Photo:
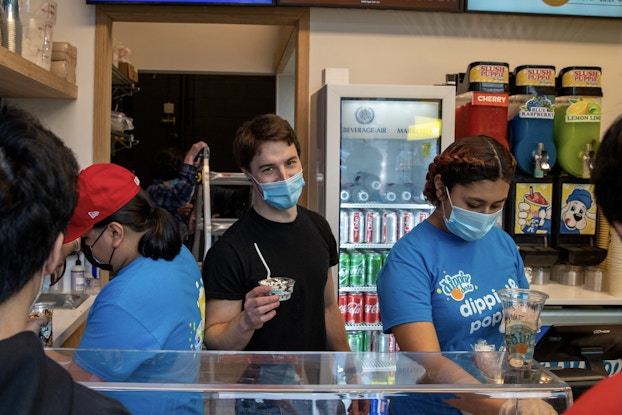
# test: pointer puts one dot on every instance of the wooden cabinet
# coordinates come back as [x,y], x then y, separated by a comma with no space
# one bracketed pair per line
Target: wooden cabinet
[20,78]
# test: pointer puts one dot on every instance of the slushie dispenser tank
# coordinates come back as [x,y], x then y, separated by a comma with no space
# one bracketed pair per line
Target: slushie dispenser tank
[482,100]
[531,115]
[577,118]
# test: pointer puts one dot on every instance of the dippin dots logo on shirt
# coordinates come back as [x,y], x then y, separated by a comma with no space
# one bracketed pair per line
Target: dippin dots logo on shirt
[456,286]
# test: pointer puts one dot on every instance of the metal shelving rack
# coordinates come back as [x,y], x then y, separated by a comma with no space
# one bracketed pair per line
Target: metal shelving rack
[206,225]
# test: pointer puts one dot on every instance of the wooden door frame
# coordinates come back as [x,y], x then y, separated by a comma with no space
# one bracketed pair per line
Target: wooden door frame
[294,38]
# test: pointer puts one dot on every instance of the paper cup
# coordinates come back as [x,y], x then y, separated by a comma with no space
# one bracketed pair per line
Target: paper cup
[44,309]
[281,286]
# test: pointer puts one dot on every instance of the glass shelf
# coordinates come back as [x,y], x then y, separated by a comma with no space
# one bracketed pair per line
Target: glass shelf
[215,379]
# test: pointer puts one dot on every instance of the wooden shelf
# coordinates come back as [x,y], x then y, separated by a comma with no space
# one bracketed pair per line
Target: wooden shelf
[20,78]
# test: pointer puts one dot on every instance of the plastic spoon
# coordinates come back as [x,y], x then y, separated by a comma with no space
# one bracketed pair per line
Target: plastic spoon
[262,260]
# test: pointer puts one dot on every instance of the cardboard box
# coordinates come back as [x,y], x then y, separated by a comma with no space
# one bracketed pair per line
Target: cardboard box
[65,70]
[64,48]
[128,70]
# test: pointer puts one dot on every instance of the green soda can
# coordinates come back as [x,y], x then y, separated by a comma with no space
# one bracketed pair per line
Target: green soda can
[355,339]
[374,263]
[344,269]
[357,269]
[365,341]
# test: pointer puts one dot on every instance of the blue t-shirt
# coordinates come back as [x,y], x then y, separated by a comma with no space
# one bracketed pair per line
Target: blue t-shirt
[150,305]
[434,276]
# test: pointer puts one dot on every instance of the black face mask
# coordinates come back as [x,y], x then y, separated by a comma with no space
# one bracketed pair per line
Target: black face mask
[88,254]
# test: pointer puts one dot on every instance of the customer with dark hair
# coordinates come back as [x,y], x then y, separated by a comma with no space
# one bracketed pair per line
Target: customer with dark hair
[155,300]
[174,180]
[38,176]
[605,398]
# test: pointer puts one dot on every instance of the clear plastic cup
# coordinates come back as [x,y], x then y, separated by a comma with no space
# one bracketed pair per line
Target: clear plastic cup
[44,309]
[521,311]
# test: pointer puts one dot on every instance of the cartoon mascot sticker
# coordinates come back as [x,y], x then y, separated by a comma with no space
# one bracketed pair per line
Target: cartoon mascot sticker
[576,214]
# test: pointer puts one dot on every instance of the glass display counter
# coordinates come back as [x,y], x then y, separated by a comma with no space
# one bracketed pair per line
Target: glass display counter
[210,382]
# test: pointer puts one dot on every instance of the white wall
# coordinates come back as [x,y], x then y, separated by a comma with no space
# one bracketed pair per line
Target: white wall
[378,47]
[72,120]
[396,47]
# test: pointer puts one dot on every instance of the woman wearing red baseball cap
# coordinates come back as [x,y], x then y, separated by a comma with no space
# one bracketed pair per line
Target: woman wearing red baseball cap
[155,300]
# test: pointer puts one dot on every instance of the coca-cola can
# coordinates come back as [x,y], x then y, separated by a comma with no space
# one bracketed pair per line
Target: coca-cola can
[343,305]
[344,230]
[371,309]
[389,226]
[354,309]
[355,226]
[407,221]
[373,227]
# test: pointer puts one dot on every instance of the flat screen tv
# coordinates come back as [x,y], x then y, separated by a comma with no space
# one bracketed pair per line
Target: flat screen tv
[187,2]
[429,5]
[585,8]
[591,343]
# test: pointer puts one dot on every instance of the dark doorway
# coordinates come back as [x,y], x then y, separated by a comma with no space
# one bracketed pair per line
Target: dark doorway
[204,107]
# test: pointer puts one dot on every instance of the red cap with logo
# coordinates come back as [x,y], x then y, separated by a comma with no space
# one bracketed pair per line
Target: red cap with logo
[103,189]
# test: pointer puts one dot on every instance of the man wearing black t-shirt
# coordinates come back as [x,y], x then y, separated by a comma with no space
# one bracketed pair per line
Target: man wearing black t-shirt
[292,241]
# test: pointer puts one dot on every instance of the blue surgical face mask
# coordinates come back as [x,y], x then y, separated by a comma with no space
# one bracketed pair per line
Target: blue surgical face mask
[283,195]
[469,225]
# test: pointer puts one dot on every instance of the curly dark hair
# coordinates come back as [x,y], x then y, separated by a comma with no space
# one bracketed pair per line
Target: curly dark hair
[468,160]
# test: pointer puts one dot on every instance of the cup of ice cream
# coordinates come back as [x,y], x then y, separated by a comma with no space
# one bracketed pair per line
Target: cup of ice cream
[281,286]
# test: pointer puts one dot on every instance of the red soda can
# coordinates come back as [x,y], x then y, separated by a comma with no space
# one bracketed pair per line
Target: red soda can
[354,309]
[407,221]
[355,227]
[389,226]
[373,227]
[343,304]
[371,312]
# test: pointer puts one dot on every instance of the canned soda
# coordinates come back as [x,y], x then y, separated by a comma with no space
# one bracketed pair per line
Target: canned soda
[389,226]
[374,264]
[379,406]
[373,227]
[354,309]
[407,221]
[371,309]
[355,226]
[355,340]
[344,233]
[343,305]
[357,269]
[393,344]
[365,341]
[344,269]
[381,344]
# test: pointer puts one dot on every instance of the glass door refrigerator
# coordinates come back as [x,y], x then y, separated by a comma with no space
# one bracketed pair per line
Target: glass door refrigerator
[374,145]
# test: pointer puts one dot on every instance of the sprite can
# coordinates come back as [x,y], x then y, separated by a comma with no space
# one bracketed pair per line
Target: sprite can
[357,269]
[374,263]
[344,269]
